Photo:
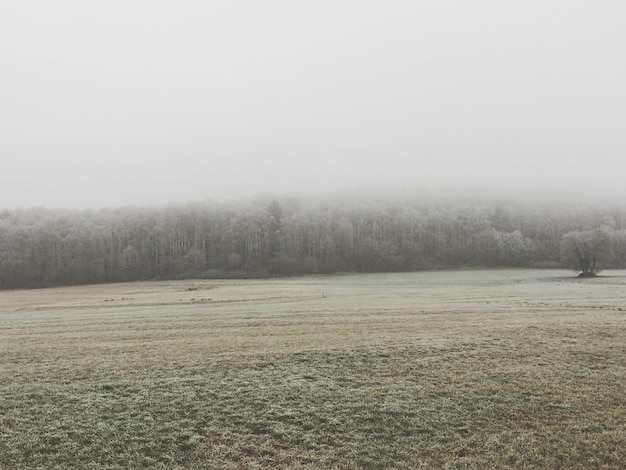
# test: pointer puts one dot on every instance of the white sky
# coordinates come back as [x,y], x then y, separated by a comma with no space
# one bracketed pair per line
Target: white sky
[145,102]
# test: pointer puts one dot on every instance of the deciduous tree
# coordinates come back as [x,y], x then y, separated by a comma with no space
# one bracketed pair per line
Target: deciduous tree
[583,250]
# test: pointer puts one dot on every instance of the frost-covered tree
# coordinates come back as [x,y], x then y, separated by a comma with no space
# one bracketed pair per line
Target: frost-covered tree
[583,250]
[130,263]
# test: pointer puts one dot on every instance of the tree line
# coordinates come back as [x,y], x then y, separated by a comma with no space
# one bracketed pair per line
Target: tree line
[292,236]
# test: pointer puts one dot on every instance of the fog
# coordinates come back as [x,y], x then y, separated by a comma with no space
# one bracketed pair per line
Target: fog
[148,102]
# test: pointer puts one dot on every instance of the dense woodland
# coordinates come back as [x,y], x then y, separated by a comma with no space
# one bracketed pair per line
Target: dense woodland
[290,236]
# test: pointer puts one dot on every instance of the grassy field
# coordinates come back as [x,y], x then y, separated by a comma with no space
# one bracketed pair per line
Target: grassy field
[458,369]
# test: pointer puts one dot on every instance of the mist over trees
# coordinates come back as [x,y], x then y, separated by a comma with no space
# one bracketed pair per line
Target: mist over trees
[290,236]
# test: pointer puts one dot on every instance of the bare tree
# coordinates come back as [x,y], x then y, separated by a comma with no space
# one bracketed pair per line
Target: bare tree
[583,250]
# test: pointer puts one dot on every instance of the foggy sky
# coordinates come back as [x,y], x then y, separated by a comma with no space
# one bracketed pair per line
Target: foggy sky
[145,102]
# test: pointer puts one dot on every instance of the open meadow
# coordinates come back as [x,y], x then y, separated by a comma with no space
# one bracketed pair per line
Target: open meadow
[454,369]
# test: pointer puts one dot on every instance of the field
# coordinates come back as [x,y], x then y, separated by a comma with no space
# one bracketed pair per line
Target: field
[457,369]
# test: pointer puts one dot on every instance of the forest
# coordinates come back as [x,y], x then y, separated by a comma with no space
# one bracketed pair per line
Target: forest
[283,236]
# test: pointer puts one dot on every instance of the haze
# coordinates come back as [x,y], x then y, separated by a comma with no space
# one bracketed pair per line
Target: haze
[146,102]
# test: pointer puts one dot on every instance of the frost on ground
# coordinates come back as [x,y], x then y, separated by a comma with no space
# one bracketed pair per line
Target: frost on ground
[456,369]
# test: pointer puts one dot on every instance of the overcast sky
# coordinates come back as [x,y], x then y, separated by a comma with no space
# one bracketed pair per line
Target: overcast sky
[146,102]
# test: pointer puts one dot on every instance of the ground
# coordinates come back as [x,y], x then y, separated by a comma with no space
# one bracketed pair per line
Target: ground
[455,369]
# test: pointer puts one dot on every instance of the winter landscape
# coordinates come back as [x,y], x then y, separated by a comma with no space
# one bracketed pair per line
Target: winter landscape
[324,235]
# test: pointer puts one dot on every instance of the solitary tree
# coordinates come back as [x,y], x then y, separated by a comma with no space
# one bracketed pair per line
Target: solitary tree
[583,250]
